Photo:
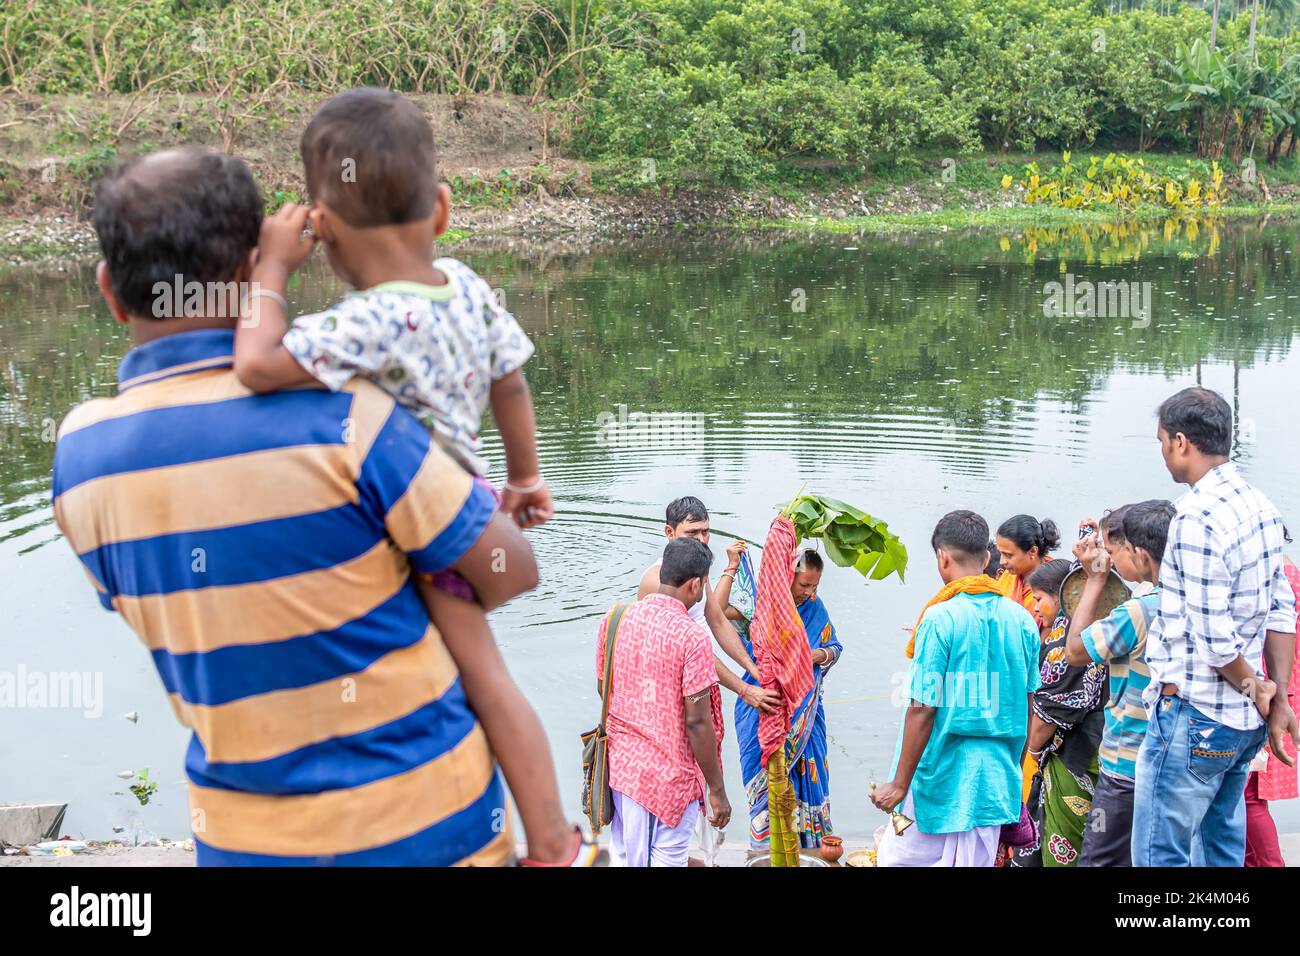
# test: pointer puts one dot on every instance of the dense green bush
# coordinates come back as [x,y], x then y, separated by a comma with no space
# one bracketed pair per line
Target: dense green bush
[712,91]
[869,81]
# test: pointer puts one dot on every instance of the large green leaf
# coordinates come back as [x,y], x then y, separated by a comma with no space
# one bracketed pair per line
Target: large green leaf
[843,558]
[845,508]
[850,536]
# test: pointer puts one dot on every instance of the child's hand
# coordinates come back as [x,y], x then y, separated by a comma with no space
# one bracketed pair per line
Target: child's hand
[281,243]
[529,507]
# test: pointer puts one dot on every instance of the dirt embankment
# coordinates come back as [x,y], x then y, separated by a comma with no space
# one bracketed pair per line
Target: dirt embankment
[514,179]
[51,147]
[512,176]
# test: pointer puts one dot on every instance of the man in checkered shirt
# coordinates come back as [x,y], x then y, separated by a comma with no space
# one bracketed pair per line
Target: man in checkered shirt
[1226,613]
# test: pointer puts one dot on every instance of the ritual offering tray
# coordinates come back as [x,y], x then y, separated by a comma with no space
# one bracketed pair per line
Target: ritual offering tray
[1114,594]
[804,860]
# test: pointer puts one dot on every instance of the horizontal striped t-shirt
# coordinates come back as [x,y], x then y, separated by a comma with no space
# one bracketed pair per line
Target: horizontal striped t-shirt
[1119,640]
[262,549]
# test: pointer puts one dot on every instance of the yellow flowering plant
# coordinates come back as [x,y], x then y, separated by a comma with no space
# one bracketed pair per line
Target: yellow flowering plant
[1119,181]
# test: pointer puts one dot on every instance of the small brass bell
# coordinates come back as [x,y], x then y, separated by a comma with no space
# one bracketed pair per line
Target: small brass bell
[900,821]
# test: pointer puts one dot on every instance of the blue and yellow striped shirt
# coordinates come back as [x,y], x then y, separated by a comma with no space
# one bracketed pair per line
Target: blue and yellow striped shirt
[262,547]
[1119,640]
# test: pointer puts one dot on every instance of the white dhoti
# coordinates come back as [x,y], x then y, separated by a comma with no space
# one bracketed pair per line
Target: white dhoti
[639,838]
[977,847]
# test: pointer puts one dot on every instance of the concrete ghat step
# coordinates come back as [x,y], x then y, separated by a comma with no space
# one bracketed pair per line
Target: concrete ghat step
[22,824]
[112,854]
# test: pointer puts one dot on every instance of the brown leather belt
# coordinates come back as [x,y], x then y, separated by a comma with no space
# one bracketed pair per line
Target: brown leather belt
[1169,690]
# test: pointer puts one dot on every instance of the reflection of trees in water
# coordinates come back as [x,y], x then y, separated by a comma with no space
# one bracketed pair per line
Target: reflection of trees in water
[58,347]
[952,323]
[948,325]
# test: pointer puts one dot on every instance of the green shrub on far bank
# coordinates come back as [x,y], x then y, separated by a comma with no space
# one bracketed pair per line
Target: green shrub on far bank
[669,94]
[875,83]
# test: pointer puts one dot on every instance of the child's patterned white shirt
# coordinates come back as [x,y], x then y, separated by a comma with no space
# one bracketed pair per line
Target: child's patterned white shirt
[435,349]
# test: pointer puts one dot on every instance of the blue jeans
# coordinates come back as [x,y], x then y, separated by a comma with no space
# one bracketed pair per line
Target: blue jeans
[1189,803]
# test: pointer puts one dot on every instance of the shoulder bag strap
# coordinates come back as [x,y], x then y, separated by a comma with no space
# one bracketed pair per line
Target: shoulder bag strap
[611,632]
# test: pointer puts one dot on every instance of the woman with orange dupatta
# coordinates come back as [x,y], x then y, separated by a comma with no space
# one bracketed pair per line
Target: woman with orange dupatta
[806,743]
[1023,545]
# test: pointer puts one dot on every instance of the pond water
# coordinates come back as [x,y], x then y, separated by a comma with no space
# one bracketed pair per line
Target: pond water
[908,374]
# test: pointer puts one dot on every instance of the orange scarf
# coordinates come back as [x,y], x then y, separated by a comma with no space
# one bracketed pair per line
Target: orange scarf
[971,584]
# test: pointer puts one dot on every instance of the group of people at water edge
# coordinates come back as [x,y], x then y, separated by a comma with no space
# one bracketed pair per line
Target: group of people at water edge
[292,514]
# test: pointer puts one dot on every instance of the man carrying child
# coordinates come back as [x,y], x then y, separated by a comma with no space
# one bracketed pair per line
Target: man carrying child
[264,549]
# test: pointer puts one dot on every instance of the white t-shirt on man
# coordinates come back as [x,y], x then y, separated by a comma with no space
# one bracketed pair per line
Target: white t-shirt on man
[696,610]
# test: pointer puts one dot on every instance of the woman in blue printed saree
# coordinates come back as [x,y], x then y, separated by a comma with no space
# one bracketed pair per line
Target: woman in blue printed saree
[805,746]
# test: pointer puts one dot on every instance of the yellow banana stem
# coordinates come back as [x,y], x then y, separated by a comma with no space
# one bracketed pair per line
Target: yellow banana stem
[783,843]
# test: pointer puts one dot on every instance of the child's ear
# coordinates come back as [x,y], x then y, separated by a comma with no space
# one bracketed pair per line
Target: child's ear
[441,209]
[321,221]
[105,283]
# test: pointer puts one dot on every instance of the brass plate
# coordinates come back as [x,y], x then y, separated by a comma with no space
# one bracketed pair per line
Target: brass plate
[1114,594]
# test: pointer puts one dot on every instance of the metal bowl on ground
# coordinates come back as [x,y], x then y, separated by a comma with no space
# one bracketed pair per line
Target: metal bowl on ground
[804,860]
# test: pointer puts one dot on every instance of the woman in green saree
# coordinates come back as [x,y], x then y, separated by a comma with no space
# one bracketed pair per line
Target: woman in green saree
[1064,735]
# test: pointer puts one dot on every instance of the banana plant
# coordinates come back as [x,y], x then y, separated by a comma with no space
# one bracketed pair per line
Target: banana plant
[1226,93]
[852,538]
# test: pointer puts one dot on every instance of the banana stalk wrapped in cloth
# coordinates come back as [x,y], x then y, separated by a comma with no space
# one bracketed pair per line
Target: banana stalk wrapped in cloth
[783,842]
[784,665]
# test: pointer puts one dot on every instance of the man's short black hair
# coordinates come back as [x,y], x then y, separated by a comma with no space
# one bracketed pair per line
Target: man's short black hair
[1146,526]
[1202,415]
[1112,524]
[994,564]
[962,531]
[190,213]
[685,509]
[809,560]
[368,153]
[684,558]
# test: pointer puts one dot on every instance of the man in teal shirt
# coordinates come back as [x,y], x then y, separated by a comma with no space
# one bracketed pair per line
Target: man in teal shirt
[957,768]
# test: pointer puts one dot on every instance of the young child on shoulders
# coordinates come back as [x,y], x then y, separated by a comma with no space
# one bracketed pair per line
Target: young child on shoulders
[432,334]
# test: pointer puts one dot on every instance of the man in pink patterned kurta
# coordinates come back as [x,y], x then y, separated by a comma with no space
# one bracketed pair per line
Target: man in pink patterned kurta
[665,717]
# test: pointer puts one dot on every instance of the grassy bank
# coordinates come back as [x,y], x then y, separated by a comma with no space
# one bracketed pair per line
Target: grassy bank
[511,177]
[968,192]
[1008,217]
